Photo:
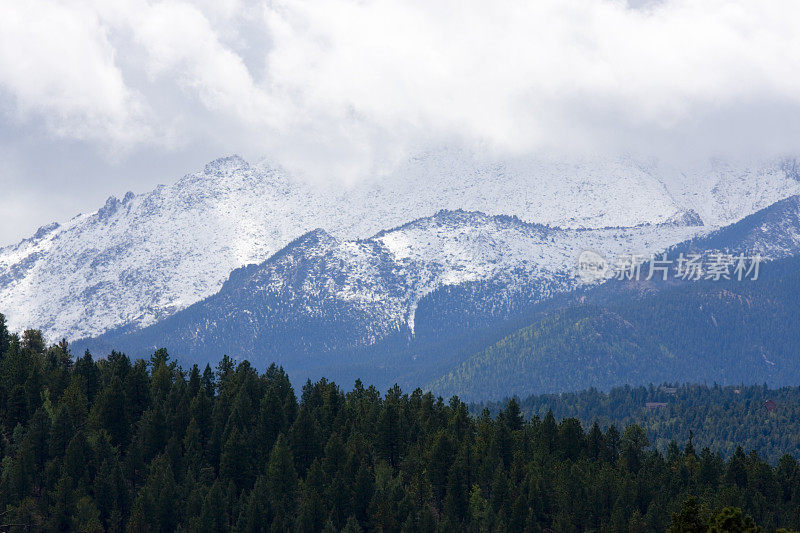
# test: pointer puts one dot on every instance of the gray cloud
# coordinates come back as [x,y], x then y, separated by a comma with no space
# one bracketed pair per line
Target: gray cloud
[100,97]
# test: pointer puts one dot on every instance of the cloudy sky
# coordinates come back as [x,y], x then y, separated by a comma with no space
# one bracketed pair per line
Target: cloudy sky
[99,97]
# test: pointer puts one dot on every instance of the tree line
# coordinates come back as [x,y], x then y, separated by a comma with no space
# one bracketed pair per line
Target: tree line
[145,445]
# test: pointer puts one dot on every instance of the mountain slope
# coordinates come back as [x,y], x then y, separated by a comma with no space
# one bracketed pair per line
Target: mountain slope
[773,232]
[639,332]
[717,333]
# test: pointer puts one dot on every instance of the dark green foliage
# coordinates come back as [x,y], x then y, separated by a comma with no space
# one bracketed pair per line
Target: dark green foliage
[720,418]
[4,338]
[145,446]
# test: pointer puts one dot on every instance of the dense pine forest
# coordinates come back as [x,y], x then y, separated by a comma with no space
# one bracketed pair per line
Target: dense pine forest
[722,418]
[115,444]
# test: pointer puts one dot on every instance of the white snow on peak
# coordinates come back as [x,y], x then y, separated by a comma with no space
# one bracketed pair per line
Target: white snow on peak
[137,260]
[452,248]
[723,192]
[384,278]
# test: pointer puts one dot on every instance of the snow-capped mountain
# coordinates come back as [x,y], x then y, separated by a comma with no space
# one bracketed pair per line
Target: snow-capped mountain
[140,259]
[771,233]
[321,294]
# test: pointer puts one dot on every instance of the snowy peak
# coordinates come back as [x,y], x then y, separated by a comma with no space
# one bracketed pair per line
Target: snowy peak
[773,233]
[226,165]
[138,260]
[397,268]
[686,218]
[44,231]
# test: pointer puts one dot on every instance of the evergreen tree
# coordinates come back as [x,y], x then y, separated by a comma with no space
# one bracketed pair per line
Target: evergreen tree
[690,518]
[5,340]
[281,480]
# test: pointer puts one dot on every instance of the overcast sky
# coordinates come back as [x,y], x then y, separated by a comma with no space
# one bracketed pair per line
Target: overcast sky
[100,97]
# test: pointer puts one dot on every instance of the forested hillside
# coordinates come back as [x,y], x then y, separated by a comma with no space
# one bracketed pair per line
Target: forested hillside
[146,446]
[722,418]
[726,331]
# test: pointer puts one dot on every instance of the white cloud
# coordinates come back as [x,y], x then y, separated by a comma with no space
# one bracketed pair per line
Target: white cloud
[527,74]
[58,66]
[343,87]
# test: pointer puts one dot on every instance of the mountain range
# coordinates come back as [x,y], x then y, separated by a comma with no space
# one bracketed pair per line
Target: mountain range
[402,278]
[320,295]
